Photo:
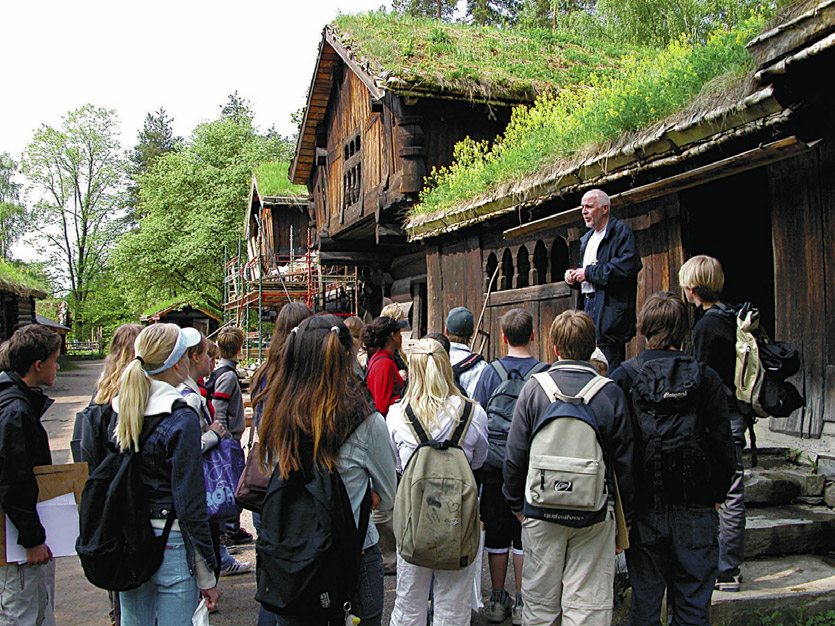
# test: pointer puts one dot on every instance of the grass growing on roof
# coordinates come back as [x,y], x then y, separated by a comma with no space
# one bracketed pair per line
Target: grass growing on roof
[274,180]
[17,273]
[649,88]
[426,55]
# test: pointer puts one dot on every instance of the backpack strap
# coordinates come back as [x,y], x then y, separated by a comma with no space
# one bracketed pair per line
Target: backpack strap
[536,369]
[500,370]
[463,425]
[585,394]
[468,362]
[417,428]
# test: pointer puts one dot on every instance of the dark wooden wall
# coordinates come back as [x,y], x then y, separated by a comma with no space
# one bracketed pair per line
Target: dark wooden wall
[15,311]
[531,271]
[283,219]
[794,199]
[802,193]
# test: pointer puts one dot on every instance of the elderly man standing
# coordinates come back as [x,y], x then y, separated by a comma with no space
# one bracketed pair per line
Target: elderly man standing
[608,276]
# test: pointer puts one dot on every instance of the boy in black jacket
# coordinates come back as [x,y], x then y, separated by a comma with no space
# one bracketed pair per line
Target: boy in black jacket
[29,361]
[684,461]
[714,343]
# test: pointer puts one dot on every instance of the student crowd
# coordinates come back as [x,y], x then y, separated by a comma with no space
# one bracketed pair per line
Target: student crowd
[549,458]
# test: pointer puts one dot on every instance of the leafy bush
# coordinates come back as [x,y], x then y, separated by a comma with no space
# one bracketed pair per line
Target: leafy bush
[649,86]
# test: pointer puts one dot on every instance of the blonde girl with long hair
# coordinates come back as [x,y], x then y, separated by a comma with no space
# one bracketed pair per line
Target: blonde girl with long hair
[438,405]
[171,467]
[94,425]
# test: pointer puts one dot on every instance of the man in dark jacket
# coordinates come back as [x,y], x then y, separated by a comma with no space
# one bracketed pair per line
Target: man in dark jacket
[569,571]
[684,461]
[608,276]
[29,361]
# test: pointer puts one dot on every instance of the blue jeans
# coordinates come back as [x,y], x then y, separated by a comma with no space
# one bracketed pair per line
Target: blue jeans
[674,548]
[170,597]
[367,605]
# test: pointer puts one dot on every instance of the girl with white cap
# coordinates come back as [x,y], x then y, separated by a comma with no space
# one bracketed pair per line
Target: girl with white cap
[171,468]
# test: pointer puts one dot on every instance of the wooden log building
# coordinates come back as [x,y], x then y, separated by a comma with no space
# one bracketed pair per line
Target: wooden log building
[751,182]
[370,135]
[17,305]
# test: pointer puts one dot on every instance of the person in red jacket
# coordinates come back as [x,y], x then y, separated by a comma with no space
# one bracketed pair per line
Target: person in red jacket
[382,339]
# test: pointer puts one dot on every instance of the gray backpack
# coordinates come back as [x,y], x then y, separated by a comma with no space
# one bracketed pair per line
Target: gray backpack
[436,522]
[566,482]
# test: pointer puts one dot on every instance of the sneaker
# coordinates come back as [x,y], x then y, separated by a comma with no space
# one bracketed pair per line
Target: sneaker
[239,537]
[728,583]
[236,567]
[516,617]
[231,548]
[497,611]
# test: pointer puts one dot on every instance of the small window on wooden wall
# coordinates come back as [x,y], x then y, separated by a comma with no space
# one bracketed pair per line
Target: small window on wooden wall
[523,268]
[506,273]
[540,263]
[489,270]
[352,170]
[559,260]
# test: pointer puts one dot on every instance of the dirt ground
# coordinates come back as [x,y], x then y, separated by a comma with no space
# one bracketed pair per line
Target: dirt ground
[77,602]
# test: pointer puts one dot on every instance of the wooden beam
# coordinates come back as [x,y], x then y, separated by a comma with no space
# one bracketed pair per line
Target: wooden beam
[366,78]
[349,258]
[751,159]
[527,294]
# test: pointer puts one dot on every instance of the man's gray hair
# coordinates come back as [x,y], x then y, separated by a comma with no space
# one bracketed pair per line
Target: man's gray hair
[601,196]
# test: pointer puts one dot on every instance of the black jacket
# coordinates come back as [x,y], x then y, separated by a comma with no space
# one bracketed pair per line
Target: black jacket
[712,412]
[23,444]
[615,278]
[610,408]
[714,344]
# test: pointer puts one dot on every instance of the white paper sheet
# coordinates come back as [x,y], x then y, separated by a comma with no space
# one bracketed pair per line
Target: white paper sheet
[59,517]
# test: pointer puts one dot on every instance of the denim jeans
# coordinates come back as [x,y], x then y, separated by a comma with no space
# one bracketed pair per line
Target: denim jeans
[674,548]
[367,605]
[170,597]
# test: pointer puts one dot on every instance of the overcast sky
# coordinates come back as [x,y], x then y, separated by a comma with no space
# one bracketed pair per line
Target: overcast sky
[135,57]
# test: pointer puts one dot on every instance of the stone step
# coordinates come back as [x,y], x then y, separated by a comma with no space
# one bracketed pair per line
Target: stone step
[763,488]
[790,529]
[797,586]
[767,458]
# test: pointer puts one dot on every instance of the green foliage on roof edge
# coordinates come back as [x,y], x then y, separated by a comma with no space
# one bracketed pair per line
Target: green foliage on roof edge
[648,86]
[18,273]
[273,180]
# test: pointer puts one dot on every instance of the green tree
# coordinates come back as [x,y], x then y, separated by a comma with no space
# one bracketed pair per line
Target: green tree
[193,202]
[438,9]
[493,12]
[12,213]
[238,109]
[79,171]
[155,139]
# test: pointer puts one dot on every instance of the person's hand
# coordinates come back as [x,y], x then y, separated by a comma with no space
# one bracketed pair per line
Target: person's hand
[212,596]
[569,276]
[718,505]
[580,275]
[618,550]
[38,555]
[219,429]
[403,374]
[375,500]
[520,517]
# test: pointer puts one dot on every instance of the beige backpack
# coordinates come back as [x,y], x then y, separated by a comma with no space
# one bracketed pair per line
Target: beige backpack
[436,521]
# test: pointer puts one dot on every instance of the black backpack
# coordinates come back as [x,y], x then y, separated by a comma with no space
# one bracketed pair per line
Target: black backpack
[210,382]
[500,407]
[309,547]
[464,365]
[116,544]
[671,463]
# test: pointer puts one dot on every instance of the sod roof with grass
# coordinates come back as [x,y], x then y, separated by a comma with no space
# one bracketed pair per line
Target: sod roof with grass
[662,109]
[19,282]
[272,180]
[177,304]
[421,56]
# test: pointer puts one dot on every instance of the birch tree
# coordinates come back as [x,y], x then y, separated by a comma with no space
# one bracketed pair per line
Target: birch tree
[78,173]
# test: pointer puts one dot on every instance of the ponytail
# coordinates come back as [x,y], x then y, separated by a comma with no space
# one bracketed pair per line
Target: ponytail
[133,396]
